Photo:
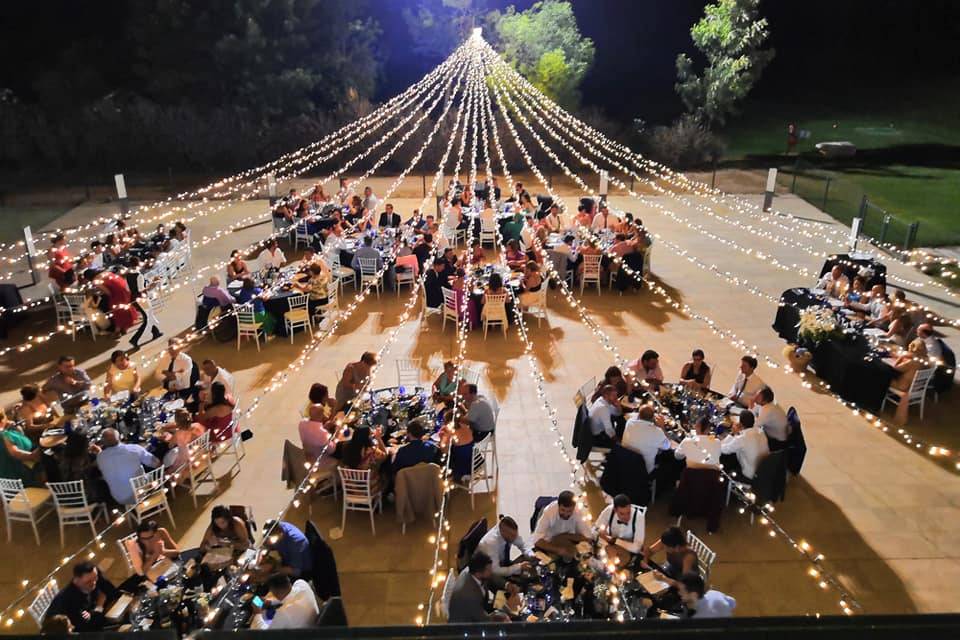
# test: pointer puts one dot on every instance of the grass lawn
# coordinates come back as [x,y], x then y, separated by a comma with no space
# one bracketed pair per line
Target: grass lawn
[13,219]
[907,163]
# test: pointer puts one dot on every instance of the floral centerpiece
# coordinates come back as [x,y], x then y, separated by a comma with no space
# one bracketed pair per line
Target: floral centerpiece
[818,324]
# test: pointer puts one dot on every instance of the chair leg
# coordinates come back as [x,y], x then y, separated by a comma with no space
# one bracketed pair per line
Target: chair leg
[36,534]
[343,520]
[62,541]
[238,341]
[373,527]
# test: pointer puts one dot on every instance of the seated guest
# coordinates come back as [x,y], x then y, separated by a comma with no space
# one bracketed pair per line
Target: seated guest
[416,450]
[211,372]
[76,462]
[458,441]
[85,599]
[318,428]
[647,368]
[365,451]
[561,526]
[33,412]
[237,269]
[551,222]
[477,254]
[215,295]
[907,366]
[696,373]
[604,219]
[858,290]
[700,450]
[516,259]
[57,625]
[292,547]
[530,285]
[749,445]
[700,603]
[566,248]
[771,419]
[119,463]
[18,455]
[316,285]
[152,544]
[445,386]
[480,413]
[934,345]
[622,526]
[389,218]
[179,374]
[602,413]
[295,605]
[747,384]
[250,292]
[899,327]
[434,283]
[320,406]
[487,215]
[834,283]
[645,436]
[528,232]
[216,416]
[680,558]
[497,543]
[225,529]
[122,375]
[612,376]
[181,433]
[368,252]
[370,201]
[468,601]
[271,257]
[424,248]
[69,384]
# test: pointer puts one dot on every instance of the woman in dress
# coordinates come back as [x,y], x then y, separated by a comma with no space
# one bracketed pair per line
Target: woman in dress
[123,313]
[365,450]
[531,284]
[237,269]
[445,386]
[352,378]
[153,544]
[33,411]
[121,375]
[696,373]
[459,441]
[18,455]
[907,365]
[182,432]
[613,376]
[900,325]
[225,529]
[319,426]
[316,285]
[217,415]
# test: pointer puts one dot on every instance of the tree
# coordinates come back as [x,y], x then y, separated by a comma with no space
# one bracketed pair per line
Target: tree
[544,44]
[731,37]
[437,27]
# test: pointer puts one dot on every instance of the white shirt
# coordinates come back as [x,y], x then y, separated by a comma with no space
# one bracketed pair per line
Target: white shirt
[934,349]
[630,535]
[645,438]
[552,525]
[223,376]
[772,420]
[745,388]
[601,417]
[182,367]
[599,222]
[692,450]
[750,446]
[299,610]
[267,259]
[526,236]
[715,604]
[494,545]
[834,288]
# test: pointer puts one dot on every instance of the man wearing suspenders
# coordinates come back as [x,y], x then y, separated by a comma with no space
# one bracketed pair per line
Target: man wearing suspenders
[138,293]
[621,525]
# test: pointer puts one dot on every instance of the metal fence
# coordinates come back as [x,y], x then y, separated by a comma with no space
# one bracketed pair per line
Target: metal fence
[845,200]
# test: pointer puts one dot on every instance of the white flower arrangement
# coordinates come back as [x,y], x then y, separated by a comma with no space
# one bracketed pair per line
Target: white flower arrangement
[818,324]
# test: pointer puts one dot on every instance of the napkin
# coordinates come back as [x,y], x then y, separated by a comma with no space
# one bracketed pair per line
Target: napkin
[649,582]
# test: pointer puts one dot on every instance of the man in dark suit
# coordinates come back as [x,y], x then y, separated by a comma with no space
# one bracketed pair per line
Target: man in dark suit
[434,283]
[389,218]
[468,601]
[424,249]
[84,600]
[416,450]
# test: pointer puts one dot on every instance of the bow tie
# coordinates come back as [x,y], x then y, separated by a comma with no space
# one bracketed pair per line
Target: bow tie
[623,523]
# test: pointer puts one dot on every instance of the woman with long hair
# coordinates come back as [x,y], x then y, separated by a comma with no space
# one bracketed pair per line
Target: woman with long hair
[217,414]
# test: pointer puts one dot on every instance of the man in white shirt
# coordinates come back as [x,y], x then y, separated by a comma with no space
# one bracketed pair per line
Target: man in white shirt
[272,256]
[834,283]
[528,232]
[602,412]
[604,219]
[645,437]
[622,526]
[701,450]
[370,201]
[749,445]
[179,373]
[747,383]
[647,368]
[560,527]
[701,603]
[214,373]
[296,605]
[933,343]
[497,543]
[771,419]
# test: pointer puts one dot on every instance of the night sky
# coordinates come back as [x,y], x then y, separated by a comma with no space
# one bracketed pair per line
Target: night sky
[823,46]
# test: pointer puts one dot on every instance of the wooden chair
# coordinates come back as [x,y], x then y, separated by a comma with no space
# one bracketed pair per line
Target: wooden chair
[705,556]
[41,604]
[24,504]
[538,310]
[591,272]
[247,325]
[341,273]
[358,495]
[150,496]
[298,315]
[79,320]
[70,500]
[370,273]
[408,372]
[917,394]
[424,309]
[495,312]
[124,543]
[479,473]
[450,307]
[198,469]
[405,276]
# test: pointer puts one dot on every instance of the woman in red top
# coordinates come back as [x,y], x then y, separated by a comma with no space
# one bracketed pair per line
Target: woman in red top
[123,313]
[61,264]
[217,415]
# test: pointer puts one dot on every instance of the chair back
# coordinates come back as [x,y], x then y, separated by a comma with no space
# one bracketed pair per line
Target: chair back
[298,302]
[146,485]
[124,544]
[705,555]
[198,451]
[14,499]
[41,604]
[539,505]
[333,298]
[495,308]
[470,541]
[356,484]
[586,391]
[770,480]
[245,315]
[368,266]
[559,261]
[450,299]
[470,374]
[591,265]
[69,495]
[408,372]
[301,230]
[488,225]
[918,388]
